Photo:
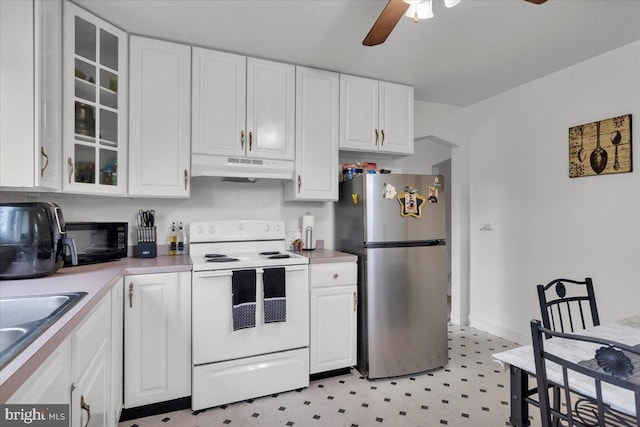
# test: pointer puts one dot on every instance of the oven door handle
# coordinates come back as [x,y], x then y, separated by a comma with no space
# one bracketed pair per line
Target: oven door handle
[226,273]
[301,268]
[215,274]
[286,269]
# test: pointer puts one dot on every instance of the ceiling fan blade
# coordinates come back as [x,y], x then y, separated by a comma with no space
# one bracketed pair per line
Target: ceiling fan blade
[385,23]
[536,1]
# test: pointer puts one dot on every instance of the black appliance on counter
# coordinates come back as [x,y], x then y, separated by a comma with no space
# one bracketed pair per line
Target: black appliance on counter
[98,241]
[32,240]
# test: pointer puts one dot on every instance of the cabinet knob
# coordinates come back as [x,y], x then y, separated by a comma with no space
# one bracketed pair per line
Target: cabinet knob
[335,275]
[70,163]
[242,140]
[46,158]
[250,140]
[299,182]
[355,301]
[382,132]
[130,295]
[376,130]
[186,179]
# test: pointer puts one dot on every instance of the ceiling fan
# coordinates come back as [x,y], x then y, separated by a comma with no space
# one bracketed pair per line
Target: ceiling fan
[390,16]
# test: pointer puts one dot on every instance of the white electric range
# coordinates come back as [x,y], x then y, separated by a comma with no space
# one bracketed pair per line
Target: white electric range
[230,364]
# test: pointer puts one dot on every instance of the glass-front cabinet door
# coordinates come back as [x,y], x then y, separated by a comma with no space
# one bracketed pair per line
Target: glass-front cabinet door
[95,106]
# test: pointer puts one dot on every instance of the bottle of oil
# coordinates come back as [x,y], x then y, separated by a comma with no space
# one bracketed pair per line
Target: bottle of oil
[180,239]
[173,240]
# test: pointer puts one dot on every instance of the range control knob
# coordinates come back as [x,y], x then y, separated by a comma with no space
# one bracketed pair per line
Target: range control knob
[199,229]
[211,229]
[267,227]
[277,227]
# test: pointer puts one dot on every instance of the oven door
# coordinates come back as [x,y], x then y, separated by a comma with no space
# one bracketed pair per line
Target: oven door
[215,340]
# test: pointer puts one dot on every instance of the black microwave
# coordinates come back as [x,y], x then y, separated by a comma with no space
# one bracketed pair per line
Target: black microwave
[98,241]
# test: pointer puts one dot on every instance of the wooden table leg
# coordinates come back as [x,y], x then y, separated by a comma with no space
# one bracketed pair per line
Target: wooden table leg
[519,407]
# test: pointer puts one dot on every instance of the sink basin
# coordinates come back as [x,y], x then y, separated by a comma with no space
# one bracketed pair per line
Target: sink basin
[23,319]
[8,336]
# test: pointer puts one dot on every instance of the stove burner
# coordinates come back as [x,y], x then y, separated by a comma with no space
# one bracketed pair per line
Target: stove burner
[214,256]
[222,259]
[278,256]
[269,253]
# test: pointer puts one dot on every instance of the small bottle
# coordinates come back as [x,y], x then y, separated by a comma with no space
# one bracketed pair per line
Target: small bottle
[173,240]
[180,239]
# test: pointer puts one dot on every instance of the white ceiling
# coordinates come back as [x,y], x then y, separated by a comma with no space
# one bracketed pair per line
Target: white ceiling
[465,54]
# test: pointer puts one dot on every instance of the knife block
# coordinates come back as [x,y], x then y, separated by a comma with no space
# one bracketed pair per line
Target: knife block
[147,242]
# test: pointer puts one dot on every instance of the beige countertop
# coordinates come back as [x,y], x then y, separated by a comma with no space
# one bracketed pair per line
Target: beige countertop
[320,256]
[97,280]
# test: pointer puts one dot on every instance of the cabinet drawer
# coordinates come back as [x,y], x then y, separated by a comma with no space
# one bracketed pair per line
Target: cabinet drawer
[333,273]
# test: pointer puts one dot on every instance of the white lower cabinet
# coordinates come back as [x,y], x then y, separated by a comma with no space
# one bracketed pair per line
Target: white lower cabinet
[79,373]
[51,382]
[91,369]
[117,337]
[157,338]
[334,301]
[90,397]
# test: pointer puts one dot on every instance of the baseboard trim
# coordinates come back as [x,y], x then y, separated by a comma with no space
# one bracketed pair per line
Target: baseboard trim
[329,374]
[499,331]
[155,408]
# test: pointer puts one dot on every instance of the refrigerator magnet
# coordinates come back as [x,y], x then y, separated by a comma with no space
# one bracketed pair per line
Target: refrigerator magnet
[389,191]
[411,203]
[355,198]
[433,195]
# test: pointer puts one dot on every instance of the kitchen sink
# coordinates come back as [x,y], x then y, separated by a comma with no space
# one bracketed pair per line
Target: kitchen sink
[23,319]
[8,336]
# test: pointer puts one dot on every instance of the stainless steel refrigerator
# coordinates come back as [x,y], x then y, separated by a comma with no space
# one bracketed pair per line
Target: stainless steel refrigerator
[395,223]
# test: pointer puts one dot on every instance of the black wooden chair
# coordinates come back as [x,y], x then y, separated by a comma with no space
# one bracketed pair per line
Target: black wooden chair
[613,364]
[564,304]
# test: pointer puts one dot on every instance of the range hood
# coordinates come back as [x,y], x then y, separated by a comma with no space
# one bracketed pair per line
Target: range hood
[240,167]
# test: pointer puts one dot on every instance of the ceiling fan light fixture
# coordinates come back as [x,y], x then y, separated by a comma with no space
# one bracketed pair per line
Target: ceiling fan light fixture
[451,3]
[421,10]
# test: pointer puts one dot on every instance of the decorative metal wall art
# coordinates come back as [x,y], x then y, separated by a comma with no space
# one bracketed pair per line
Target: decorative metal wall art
[600,148]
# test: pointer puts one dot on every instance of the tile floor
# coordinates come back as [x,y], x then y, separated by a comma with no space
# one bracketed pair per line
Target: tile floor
[470,391]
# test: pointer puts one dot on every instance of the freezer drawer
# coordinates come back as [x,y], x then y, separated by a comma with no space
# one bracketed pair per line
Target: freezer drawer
[404,315]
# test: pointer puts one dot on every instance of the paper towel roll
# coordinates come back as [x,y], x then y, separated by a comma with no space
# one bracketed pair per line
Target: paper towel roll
[308,232]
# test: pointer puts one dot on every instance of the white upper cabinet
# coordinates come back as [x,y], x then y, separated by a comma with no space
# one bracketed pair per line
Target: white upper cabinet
[317,133]
[396,118]
[30,94]
[375,116]
[160,114]
[242,106]
[358,113]
[219,102]
[270,109]
[94,104]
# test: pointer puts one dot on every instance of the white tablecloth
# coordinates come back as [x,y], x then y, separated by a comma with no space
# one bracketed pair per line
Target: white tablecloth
[626,331]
